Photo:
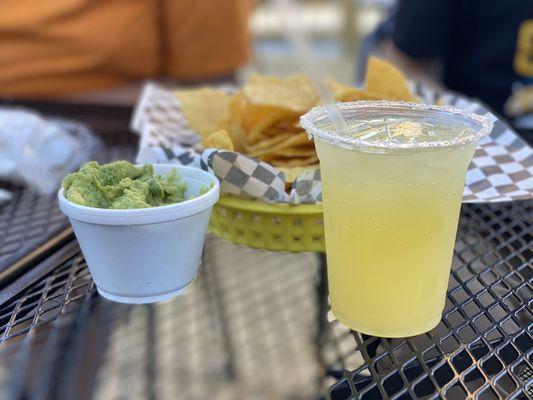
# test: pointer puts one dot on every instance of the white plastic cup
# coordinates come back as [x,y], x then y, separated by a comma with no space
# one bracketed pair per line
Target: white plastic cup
[146,255]
[391,210]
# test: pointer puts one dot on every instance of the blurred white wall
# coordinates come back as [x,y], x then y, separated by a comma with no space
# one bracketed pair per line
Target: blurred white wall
[334,29]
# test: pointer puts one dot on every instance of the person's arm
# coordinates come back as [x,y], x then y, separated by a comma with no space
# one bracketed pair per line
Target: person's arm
[420,38]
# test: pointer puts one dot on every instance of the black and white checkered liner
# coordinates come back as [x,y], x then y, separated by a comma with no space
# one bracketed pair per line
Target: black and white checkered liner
[501,170]
[307,188]
[502,166]
[159,120]
[238,174]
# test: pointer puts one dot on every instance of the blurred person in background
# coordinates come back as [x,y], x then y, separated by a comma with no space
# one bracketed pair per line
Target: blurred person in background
[483,49]
[101,50]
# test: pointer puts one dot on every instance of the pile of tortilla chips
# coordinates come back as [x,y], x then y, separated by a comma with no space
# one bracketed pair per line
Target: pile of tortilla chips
[262,118]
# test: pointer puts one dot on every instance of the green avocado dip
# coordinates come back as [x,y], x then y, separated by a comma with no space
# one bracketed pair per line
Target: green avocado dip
[122,185]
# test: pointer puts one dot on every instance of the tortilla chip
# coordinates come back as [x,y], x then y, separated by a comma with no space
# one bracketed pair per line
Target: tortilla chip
[205,109]
[297,152]
[294,94]
[288,141]
[220,140]
[257,130]
[270,142]
[385,80]
[252,119]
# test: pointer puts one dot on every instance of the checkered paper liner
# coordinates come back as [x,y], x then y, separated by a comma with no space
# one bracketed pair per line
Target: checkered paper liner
[501,169]
[160,121]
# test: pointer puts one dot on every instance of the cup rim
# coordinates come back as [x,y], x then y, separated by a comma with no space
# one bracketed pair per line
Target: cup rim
[309,122]
[139,216]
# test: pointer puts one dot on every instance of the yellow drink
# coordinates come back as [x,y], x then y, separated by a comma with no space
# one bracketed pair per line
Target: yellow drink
[390,219]
[388,267]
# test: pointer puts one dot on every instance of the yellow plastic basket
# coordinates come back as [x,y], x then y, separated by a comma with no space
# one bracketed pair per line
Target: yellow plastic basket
[280,227]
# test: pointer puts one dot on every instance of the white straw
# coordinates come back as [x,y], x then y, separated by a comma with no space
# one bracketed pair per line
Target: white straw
[285,9]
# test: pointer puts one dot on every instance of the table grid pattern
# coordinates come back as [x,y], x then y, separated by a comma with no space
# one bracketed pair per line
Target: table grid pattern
[247,324]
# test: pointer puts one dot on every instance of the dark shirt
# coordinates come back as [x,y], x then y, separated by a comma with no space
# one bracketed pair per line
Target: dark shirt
[476,41]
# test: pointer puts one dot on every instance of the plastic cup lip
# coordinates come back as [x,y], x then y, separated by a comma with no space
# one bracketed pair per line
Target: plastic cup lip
[318,114]
[142,216]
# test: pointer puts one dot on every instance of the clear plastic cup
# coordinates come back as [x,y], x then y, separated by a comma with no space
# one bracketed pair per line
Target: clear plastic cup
[391,209]
[149,254]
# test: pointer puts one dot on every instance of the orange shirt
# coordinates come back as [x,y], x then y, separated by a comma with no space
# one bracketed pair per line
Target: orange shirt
[54,47]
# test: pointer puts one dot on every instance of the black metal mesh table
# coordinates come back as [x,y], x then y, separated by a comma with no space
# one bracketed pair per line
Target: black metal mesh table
[256,323]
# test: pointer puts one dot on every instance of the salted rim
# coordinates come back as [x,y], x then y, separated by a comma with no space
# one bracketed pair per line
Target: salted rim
[308,122]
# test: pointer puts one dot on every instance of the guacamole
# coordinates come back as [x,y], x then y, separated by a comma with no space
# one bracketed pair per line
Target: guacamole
[122,185]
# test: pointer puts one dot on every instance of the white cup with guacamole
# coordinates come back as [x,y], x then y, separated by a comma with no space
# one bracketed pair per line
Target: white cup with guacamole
[141,229]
